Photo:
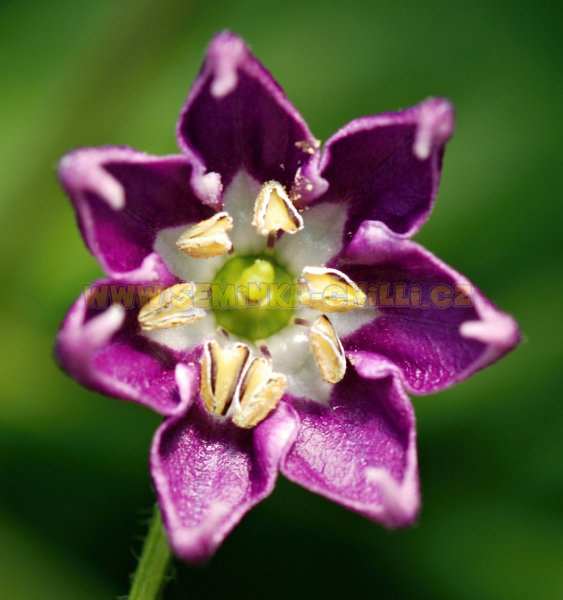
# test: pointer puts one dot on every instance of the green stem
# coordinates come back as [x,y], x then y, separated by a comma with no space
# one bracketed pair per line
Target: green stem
[153,564]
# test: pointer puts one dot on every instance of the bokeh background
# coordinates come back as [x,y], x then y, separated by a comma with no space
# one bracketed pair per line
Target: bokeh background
[75,489]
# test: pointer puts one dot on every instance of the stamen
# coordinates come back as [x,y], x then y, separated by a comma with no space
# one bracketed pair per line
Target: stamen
[173,307]
[330,290]
[327,350]
[221,370]
[274,211]
[258,394]
[208,238]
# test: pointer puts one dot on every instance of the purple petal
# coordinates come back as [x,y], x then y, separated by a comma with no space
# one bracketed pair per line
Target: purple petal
[123,198]
[433,347]
[360,449]
[104,351]
[387,167]
[209,473]
[237,117]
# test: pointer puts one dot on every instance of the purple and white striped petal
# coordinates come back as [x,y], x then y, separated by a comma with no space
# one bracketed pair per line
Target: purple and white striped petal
[359,449]
[209,473]
[387,167]
[123,198]
[238,118]
[433,347]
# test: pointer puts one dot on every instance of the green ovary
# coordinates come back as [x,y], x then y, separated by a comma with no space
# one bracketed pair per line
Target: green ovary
[252,296]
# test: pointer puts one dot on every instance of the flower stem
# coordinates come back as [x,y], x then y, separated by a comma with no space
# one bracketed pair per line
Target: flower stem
[150,575]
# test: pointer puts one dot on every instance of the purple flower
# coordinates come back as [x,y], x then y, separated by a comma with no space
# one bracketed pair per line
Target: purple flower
[318,391]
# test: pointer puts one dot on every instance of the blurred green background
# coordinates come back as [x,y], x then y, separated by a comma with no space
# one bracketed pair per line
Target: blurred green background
[75,489]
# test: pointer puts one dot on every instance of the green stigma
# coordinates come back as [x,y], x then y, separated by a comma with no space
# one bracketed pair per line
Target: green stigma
[255,279]
[251,296]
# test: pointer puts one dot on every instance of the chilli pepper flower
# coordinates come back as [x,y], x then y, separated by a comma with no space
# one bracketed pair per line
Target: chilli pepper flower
[317,387]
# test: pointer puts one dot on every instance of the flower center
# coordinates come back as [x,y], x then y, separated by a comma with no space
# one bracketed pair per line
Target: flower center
[251,296]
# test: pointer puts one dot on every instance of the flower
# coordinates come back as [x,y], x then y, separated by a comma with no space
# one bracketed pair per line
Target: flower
[317,391]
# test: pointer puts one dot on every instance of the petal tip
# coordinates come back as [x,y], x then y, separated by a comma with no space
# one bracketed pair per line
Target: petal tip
[435,126]
[224,55]
[83,171]
[400,500]
[78,340]
[496,329]
[198,544]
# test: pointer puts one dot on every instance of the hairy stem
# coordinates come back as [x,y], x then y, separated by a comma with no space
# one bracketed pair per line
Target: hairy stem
[150,575]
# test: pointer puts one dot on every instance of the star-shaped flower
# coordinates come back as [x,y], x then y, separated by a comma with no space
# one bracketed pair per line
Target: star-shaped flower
[334,313]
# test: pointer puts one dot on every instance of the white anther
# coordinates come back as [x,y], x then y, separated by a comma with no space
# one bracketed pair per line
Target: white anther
[258,393]
[330,290]
[327,350]
[173,307]
[274,211]
[208,238]
[221,370]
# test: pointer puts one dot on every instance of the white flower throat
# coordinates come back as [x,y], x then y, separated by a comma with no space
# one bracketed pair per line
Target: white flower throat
[239,271]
